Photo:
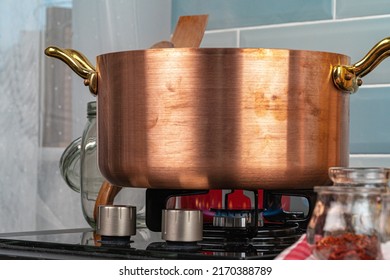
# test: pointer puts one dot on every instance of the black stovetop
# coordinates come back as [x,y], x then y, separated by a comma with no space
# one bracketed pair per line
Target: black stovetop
[83,243]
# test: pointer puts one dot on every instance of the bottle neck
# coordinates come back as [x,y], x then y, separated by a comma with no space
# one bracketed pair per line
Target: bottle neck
[91,109]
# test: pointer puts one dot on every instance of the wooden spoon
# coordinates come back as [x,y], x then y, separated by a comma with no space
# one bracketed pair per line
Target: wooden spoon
[188,33]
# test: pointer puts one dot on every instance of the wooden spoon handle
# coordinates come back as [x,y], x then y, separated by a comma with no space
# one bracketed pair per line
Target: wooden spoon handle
[189,31]
[106,196]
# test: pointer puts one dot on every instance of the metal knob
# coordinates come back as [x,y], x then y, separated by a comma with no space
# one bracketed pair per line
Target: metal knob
[116,220]
[182,225]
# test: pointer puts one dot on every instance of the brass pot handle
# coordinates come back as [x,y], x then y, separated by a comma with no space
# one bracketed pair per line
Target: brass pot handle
[348,78]
[78,63]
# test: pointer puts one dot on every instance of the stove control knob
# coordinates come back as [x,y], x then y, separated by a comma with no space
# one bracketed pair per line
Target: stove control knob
[182,225]
[116,220]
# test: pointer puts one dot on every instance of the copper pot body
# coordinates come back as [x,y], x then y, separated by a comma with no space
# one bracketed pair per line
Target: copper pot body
[220,118]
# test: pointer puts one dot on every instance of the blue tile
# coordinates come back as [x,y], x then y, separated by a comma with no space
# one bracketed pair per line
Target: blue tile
[356,8]
[238,13]
[353,38]
[375,160]
[370,121]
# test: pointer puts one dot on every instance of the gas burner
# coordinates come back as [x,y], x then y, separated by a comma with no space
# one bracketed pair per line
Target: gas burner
[231,222]
[236,218]
[270,207]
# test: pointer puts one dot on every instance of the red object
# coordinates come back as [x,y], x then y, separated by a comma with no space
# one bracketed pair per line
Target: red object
[214,200]
[300,250]
[348,246]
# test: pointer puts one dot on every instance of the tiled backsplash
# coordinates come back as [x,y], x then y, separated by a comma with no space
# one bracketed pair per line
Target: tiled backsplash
[350,27]
[360,8]
[242,13]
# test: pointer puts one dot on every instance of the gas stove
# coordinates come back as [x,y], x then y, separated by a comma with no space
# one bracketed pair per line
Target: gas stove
[86,244]
[252,233]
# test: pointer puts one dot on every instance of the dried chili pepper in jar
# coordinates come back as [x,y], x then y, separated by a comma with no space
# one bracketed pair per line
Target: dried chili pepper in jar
[348,246]
[345,220]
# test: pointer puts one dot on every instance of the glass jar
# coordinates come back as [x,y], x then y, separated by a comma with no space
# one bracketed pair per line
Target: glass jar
[344,223]
[345,220]
[79,168]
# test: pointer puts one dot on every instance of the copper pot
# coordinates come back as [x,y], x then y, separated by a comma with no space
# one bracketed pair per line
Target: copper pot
[212,118]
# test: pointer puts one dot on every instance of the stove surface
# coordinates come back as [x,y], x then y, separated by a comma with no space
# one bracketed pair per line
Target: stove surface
[85,244]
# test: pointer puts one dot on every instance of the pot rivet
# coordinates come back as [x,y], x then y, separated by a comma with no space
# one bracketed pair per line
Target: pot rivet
[348,77]
[359,82]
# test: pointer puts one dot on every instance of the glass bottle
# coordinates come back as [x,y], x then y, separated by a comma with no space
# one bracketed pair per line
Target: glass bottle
[90,180]
[79,168]
[345,219]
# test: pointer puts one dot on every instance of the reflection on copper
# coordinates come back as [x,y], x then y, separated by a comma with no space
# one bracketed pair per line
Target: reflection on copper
[220,118]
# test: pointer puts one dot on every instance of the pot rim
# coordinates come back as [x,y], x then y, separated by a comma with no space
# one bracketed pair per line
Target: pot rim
[222,51]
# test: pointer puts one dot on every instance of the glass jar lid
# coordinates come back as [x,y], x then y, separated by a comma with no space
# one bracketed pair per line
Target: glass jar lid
[367,176]
[349,190]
